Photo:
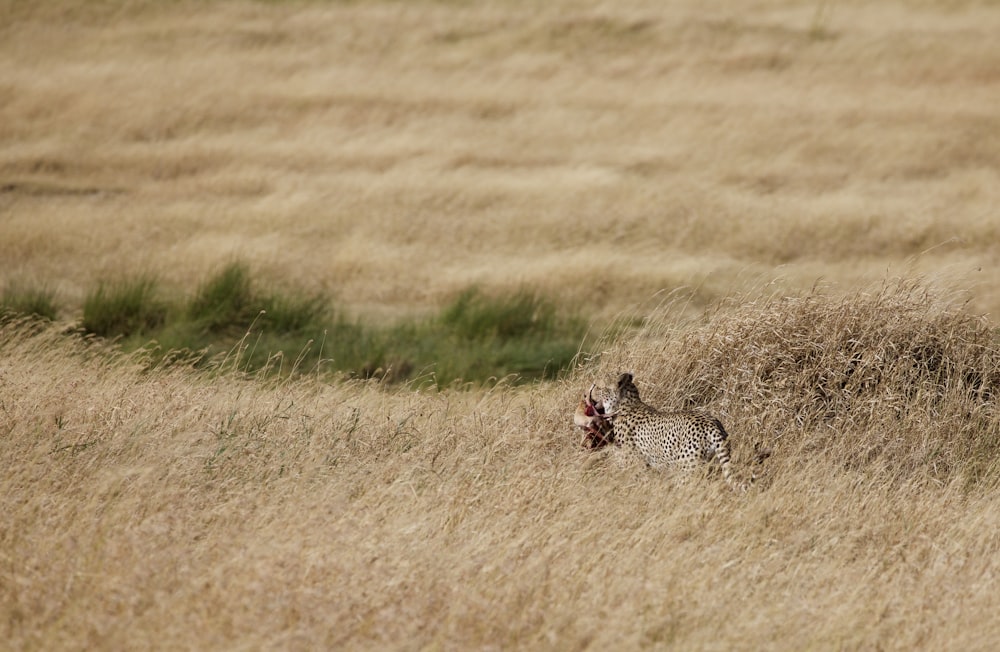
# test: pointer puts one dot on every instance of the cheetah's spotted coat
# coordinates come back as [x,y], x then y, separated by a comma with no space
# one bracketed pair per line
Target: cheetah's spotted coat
[677,440]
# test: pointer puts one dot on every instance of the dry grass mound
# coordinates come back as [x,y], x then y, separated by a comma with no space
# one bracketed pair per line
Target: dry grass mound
[899,376]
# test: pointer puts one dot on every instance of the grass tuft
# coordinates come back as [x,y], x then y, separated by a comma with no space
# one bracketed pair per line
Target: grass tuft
[475,316]
[297,315]
[36,302]
[124,308]
[225,301]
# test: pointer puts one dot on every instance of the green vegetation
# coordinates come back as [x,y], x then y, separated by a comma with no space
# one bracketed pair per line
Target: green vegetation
[125,308]
[233,322]
[226,301]
[520,333]
[21,300]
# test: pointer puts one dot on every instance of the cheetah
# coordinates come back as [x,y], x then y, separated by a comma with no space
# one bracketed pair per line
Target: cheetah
[666,439]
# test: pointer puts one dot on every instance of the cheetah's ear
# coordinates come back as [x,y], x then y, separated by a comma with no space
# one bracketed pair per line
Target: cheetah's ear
[625,379]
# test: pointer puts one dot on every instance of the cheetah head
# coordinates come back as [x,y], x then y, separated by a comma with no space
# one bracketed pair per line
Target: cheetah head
[624,391]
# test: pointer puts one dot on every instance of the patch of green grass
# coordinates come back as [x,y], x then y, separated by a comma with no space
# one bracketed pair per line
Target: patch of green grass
[124,308]
[21,300]
[225,302]
[230,322]
[230,317]
[297,315]
[522,314]
[478,337]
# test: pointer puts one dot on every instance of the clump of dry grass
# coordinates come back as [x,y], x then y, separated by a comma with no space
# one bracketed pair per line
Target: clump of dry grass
[899,375]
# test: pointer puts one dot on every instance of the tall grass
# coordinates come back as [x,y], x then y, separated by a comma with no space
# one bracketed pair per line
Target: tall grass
[226,302]
[166,508]
[475,316]
[898,377]
[520,333]
[124,308]
[21,299]
[233,320]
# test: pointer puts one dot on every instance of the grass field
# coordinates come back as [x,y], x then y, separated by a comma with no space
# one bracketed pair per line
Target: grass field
[740,183]
[391,153]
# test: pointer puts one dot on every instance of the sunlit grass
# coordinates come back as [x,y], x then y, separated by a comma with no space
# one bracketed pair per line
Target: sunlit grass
[224,507]
[329,226]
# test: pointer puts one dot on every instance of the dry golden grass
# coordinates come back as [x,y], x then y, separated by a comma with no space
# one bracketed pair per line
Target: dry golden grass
[395,152]
[894,375]
[392,153]
[170,509]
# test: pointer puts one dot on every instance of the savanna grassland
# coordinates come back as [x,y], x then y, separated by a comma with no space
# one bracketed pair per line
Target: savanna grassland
[791,206]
